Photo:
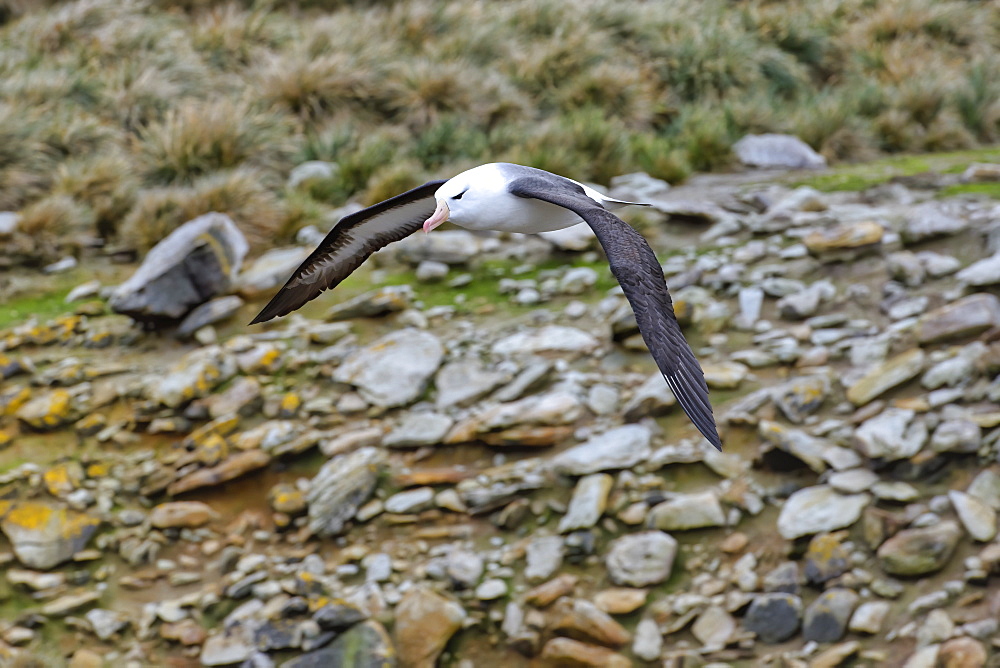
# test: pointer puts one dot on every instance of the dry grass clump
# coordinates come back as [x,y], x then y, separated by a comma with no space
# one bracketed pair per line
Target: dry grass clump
[52,224]
[148,112]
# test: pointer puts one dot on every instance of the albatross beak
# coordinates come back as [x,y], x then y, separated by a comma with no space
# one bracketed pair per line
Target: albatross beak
[441,214]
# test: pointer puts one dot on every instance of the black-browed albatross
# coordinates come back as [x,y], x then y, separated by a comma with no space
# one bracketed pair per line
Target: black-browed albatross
[515,198]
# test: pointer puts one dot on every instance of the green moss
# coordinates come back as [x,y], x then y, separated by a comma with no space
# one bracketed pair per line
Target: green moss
[861,177]
[43,307]
[987,189]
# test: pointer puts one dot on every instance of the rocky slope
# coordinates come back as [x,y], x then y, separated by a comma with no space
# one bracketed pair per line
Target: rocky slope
[484,468]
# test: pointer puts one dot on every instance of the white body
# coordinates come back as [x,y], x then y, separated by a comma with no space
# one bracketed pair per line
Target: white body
[491,207]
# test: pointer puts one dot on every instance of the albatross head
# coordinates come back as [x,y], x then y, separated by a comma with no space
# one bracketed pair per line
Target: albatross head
[454,202]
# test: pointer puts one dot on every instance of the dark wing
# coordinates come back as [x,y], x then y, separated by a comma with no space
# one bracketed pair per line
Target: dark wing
[641,277]
[351,241]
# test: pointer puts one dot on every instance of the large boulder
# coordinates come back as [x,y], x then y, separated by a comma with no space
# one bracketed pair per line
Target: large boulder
[777,151]
[197,261]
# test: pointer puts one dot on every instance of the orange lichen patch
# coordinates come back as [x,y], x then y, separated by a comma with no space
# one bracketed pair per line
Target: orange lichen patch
[6,438]
[58,481]
[13,399]
[98,470]
[290,404]
[212,450]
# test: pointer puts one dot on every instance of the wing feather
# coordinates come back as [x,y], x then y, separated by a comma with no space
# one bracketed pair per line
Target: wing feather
[351,241]
[635,266]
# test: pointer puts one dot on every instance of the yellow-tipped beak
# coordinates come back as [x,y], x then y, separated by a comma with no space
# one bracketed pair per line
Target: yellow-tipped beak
[441,214]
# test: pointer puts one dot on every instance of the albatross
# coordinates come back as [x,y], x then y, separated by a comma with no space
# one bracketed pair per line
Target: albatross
[514,198]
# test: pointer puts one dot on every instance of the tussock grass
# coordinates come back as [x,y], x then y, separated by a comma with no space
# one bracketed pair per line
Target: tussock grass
[145,112]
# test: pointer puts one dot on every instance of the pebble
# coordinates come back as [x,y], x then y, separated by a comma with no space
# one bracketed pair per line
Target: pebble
[978,518]
[687,511]
[826,618]
[589,500]
[913,552]
[869,617]
[818,509]
[774,617]
[641,559]
[491,589]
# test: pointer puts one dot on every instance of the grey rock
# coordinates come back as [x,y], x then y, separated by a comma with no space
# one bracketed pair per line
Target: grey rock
[365,645]
[648,641]
[194,376]
[777,151]
[544,557]
[209,313]
[311,170]
[233,644]
[340,487]
[958,435]
[602,399]
[638,187]
[978,518]
[952,371]
[419,429]
[906,267]
[551,338]
[429,271]
[394,370]
[774,617]
[573,238]
[817,509]
[619,448]
[930,220]
[983,272]
[577,280]
[804,303]
[82,291]
[464,381]
[410,501]
[590,497]
[801,397]
[714,627]
[243,397]
[106,623]
[9,221]
[464,568]
[895,433]
[869,617]
[784,578]
[641,559]
[195,262]
[44,535]
[919,551]
[378,567]
[852,481]
[445,246]
[937,265]
[826,618]
[388,299]
[966,317]
[652,398]
[491,589]
[986,487]
[885,376]
[687,511]
[270,270]
[751,300]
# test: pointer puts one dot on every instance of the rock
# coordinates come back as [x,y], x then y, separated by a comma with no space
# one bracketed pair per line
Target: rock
[962,652]
[574,238]
[620,600]
[582,618]
[429,271]
[919,551]
[930,220]
[419,429]
[983,272]
[844,237]
[522,422]
[394,370]
[648,642]
[569,652]
[181,514]
[981,172]
[906,268]
[773,617]
[949,372]
[852,481]
[52,410]
[642,559]
[410,501]
[365,645]
[465,381]
[978,518]
[464,568]
[801,397]
[544,557]
[425,621]
[725,375]
[818,509]
[714,627]
[959,435]
[229,469]
[590,497]
[287,498]
[194,376]
[783,578]
[889,374]
[491,589]
[687,511]
[603,399]
[837,655]
[869,617]
[937,265]
[637,187]
[826,559]
[45,535]
[618,448]
[242,398]
[893,434]
[805,303]
[782,151]
[652,398]
[197,261]
[966,317]
[446,246]
[340,487]
[544,594]
[311,170]
[269,271]
[9,221]
[551,338]
[209,313]
[187,632]
[986,487]
[816,453]
[577,280]
[389,299]
[233,644]
[826,618]
[106,623]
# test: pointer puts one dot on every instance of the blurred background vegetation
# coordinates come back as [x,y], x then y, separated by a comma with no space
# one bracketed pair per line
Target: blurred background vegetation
[125,119]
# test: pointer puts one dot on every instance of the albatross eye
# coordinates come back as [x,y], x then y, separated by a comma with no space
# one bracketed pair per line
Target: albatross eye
[459,195]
